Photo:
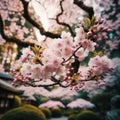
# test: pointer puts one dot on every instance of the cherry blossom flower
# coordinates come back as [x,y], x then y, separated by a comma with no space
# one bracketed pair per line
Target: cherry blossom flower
[80,103]
[67,41]
[36,71]
[99,64]
[52,104]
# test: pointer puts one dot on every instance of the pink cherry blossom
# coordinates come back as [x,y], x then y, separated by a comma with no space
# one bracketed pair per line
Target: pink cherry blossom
[99,65]
[65,40]
[26,69]
[36,71]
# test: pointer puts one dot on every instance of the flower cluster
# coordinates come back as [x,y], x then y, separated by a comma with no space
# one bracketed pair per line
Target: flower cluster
[57,59]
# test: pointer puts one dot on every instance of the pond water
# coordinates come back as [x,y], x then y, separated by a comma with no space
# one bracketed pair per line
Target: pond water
[61,118]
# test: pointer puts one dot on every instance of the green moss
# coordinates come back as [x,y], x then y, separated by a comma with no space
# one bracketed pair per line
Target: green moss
[72,117]
[27,112]
[47,112]
[56,112]
[68,112]
[87,115]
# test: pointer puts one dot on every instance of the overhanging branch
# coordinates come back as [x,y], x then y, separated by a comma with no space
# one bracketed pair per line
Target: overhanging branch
[34,23]
[62,23]
[13,39]
[55,82]
[87,9]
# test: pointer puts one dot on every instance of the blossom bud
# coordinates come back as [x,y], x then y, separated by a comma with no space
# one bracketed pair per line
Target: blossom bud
[101,28]
[109,30]
[95,36]
[89,33]
[96,22]
[101,21]
[99,39]
[105,30]
[105,37]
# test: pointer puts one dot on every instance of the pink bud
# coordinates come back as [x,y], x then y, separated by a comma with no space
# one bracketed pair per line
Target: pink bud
[101,21]
[105,30]
[96,22]
[109,30]
[105,37]
[99,39]
[89,33]
[95,36]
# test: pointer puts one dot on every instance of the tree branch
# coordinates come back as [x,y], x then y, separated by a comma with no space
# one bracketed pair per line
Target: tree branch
[62,23]
[35,24]
[12,39]
[87,9]
[55,82]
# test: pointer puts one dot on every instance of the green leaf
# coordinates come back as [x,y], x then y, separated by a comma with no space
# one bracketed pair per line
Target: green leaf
[87,20]
[93,20]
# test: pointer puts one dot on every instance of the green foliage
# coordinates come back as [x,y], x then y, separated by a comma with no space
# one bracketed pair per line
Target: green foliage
[115,102]
[66,101]
[17,101]
[25,112]
[102,99]
[102,102]
[113,115]
[37,100]
[116,52]
[87,115]
[40,99]
[82,94]
[47,112]
[68,112]
[56,112]
[72,117]
[89,22]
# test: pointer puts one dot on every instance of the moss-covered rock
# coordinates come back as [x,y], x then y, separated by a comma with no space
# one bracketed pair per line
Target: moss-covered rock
[87,115]
[68,112]
[56,112]
[27,112]
[72,117]
[47,112]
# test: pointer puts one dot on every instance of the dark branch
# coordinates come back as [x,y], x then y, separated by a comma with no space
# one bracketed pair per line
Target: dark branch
[62,23]
[75,65]
[53,79]
[73,55]
[87,9]
[59,82]
[12,39]
[35,24]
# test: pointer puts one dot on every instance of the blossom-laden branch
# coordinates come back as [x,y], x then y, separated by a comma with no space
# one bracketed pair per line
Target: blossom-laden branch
[53,79]
[34,23]
[62,23]
[13,39]
[27,17]
[59,61]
